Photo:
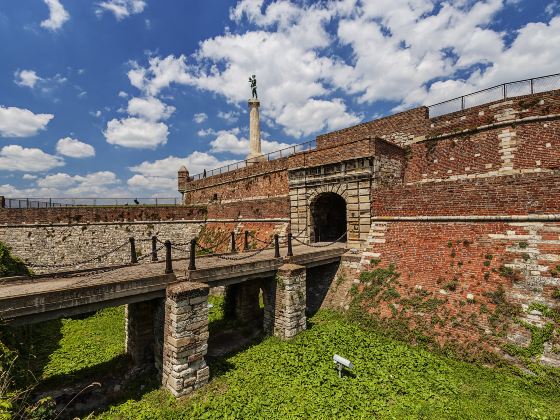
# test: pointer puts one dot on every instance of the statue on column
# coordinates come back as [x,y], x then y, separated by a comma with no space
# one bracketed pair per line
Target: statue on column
[253,83]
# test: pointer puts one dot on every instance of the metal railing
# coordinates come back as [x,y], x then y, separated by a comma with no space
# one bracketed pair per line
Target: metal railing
[41,203]
[496,93]
[277,154]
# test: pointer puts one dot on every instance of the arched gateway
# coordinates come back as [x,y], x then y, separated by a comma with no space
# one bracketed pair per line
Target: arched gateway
[328,214]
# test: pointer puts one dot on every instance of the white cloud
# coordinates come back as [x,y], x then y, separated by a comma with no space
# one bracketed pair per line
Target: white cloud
[57,15]
[398,49]
[26,78]
[533,48]
[160,74]
[227,141]
[121,8]
[136,133]
[17,158]
[150,108]
[196,162]
[30,79]
[28,177]
[74,148]
[153,183]
[123,94]
[200,117]
[102,183]
[229,117]
[18,122]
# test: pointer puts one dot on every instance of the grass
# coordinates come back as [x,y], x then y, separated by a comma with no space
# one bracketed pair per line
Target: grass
[61,350]
[296,379]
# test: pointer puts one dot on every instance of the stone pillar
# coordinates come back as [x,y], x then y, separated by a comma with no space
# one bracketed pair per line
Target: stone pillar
[185,338]
[255,154]
[139,318]
[289,316]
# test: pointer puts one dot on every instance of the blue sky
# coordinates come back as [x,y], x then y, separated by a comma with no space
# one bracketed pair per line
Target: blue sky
[109,97]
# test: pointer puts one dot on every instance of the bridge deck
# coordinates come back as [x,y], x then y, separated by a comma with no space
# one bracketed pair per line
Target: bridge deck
[48,297]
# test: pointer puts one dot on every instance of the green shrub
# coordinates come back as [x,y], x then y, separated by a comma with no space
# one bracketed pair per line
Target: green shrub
[11,265]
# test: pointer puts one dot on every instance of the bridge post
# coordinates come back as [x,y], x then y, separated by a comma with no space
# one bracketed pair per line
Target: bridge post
[246,241]
[168,260]
[233,250]
[290,251]
[192,255]
[133,256]
[154,248]
[185,338]
[289,313]
[276,246]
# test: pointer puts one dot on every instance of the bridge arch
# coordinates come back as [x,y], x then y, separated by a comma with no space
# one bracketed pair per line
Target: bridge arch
[328,217]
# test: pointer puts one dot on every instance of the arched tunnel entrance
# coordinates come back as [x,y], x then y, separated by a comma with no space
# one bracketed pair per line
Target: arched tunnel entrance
[328,215]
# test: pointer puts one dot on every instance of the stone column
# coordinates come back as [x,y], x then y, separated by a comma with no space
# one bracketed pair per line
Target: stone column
[255,154]
[139,318]
[289,316]
[185,338]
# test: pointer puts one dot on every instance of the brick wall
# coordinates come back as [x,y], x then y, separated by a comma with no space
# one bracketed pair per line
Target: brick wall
[100,214]
[263,179]
[273,207]
[537,193]
[450,275]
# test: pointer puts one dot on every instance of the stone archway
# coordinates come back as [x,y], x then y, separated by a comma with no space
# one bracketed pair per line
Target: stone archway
[356,194]
[328,218]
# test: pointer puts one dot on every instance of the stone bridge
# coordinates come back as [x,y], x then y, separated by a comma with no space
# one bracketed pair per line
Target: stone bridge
[167,307]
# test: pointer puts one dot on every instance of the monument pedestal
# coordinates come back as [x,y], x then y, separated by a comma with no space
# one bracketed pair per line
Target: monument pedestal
[255,155]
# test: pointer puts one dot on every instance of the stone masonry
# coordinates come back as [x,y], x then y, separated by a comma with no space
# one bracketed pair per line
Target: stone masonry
[185,338]
[289,316]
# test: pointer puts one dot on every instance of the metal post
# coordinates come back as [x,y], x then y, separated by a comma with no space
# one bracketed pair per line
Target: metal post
[246,241]
[154,248]
[192,255]
[28,203]
[290,252]
[504,90]
[168,263]
[50,202]
[276,246]
[133,257]
[532,91]
[233,250]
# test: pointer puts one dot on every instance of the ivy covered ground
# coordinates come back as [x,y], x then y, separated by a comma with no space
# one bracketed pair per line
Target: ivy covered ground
[296,379]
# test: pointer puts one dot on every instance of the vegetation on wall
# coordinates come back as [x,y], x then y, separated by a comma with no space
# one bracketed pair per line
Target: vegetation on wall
[11,265]
[444,325]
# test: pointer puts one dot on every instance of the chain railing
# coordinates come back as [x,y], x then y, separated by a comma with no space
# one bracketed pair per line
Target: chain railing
[496,93]
[42,203]
[277,154]
[321,245]
[190,250]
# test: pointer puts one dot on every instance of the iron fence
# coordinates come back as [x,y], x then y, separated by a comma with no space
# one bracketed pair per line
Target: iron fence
[38,203]
[496,93]
[277,154]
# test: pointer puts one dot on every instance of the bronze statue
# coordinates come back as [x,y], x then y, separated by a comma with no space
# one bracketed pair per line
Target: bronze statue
[253,83]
